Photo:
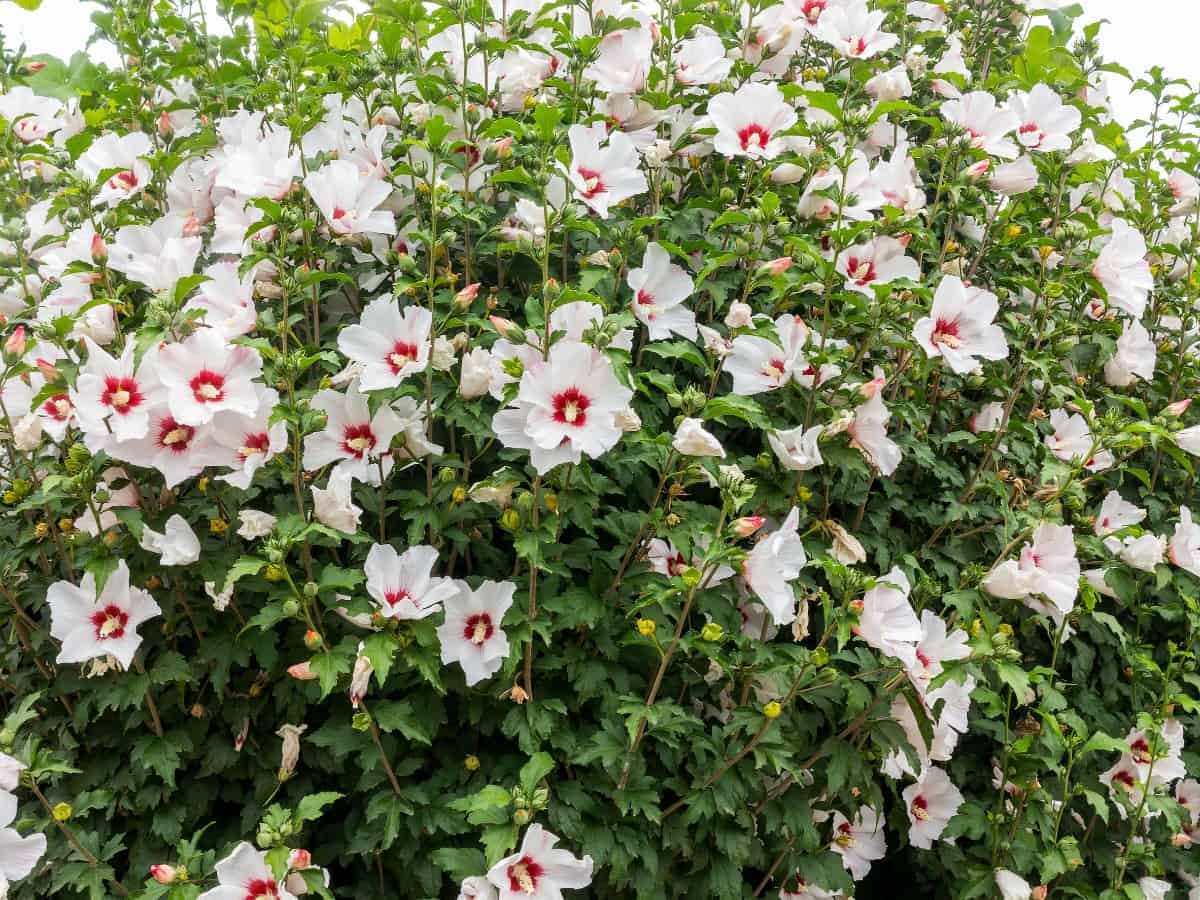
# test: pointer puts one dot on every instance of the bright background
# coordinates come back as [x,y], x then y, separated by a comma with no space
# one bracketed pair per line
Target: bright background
[1141,33]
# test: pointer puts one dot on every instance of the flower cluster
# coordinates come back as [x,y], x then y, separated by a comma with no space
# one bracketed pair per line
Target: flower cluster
[642,448]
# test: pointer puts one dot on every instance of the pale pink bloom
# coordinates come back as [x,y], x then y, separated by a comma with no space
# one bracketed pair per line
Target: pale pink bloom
[1153,888]
[177,450]
[18,855]
[475,373]
[264,166]
[929,16]
[601,177]
[539,871]
[255,524]
[959,326]
[986,123]
[1012,886]
[1047,568]
[806,891]
[1185,188]
[566,408]
[1122,269]
[701,59]
[1184,547]
[891,84]
[898,183]
[934,648]
[692,439]
[622,62]
[1014,178]
[245,875]
[861,197]
[226,300]
[859,843]
[1188,440]
[32,117]
[477,887]
[354,439]
[250,442]
[659,289]
[471,634]
[886,620]
[739,315]
[853,30]
[1136,356]
[749,121]
[987,418]
[156,255]
[403,584]
[796,448]
[880,260]
[350,199]
[1045,123]
[388,344]
[932,802]
[90,625]
[868,433]
[113,397]
[334,505]
[204,375]
[176,545]
[232,218]
[1072,439]
[124,154]
[773,564]
[759,365]
[1142,553]
[1116,513]
[665,559]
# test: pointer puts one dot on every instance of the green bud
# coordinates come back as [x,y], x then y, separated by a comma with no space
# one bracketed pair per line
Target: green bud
[691,576]
[510,520]
[291,607]
[361,721]
[310,589]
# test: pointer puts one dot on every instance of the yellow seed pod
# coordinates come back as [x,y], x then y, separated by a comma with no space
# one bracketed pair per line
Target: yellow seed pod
[646,627]
[471,763]
[1013,231]
[552,502]
[62,812]
[772,710]
[218,526]
[712,632]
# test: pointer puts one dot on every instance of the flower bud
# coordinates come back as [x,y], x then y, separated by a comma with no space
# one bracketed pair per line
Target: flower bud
[712,632]
[471,763]
[299,859]
[776,267]
[510,519]
[466,296]
[740,315]
[646,627]
[1179,407]
[302,671]
[747,525]
[312,640]
[15,344]
[62,812]
[772,710]
[163,874]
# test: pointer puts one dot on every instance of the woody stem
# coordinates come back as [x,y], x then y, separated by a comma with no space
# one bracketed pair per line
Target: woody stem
[74,841]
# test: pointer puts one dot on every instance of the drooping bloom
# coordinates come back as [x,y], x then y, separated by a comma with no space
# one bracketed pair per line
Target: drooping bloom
[773,564]
[986,123]
[18,855]
[797,448]
[349,199]
[1184,547]
[387,344]
[1072,439]
[1046,568]
[105,624]
[403,584]
[880,260]
[1136,356]
[886,619]
[659,289]
[693,439]
[853,30]
[959,326]
[113,396]
[566,408]
[857,192]
[1012,886]
[1122,269]
[1142,553]
[859,843]
[749,122]
[934,648]
[603,176]
[539,871]
[1116,513]
[931,803]
[245,875]
[1045,123]
[334,505]
[204,375]
[1014,178]
[868,433]
[354,439]
[176,545]
[472,635]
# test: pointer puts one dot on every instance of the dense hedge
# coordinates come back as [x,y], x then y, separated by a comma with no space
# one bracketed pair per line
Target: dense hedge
[683,450]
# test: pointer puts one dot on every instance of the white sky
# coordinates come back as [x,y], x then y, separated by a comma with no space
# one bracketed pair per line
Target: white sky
[1141,33]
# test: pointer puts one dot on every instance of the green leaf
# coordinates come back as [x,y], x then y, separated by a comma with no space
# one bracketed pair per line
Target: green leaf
[539,766]
[459,863]
[309,809]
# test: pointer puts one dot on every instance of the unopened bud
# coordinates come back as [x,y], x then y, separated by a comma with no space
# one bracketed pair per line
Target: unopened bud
[302,671]
[747,525]
[776,267]
[712,632]
[299,859]
[772,710]
[466,296]
[646,627]
[163,874]
[16,342]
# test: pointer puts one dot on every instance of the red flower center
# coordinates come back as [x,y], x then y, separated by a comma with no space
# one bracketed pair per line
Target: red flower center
[402,354]
[776,369]
[945,332]
[919,809]
[469,153]
[357,440]
[523,875]
[1031,134]
[570,407]
[644,299]
[593,184]
[845,836]
[861,271]
[812,9]
[261,887]
[124,181]
[120,394]
[208,386]
[1125,777]
[855,46]
[254,444]
[110,622]
[174,436]
[478,629]
[398,596]
[676,564]
[753,136]
[58,407]
[1140,751]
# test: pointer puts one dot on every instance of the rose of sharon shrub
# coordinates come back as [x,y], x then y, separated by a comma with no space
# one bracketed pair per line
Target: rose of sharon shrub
[505,449]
